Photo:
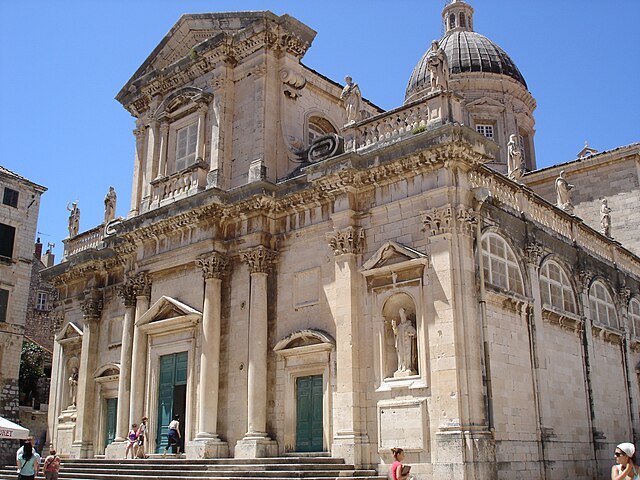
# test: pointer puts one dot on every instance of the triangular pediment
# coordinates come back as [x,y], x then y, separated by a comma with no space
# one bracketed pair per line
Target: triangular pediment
[587,151]
[69,331]
[167,308]
[392,253]
[485,104]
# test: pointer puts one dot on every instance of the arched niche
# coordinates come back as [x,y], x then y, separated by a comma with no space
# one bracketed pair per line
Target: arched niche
[401,347]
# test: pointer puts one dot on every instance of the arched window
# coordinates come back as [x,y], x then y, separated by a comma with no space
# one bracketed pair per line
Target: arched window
[634,316]
[603,311]
[500,266]
[452,20]
[463,20]
[555,288]
[318,127]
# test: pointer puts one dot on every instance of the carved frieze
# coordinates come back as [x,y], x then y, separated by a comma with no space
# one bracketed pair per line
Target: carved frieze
[259,259]
[349,240]
[213,265]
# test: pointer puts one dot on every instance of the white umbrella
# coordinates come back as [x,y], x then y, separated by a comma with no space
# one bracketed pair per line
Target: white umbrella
[12,430]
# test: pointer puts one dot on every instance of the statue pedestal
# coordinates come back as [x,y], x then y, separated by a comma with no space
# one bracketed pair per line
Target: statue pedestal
[116,449]
[404,374]
[256,447]
[66,431]
[206,447]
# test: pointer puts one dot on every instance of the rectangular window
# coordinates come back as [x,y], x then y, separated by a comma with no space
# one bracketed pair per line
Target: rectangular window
[41,301]
[10,197]
[186,139]
[7,236]
[486,130]
[4,303]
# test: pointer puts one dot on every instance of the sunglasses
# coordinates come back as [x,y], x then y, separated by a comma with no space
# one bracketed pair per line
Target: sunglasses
[619,454]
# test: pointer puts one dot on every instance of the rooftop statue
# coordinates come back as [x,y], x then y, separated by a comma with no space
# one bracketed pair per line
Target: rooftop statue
[110,205]
[605,218]
[352,99]
[74,218]
[563,194]
[438,67]
[515,161]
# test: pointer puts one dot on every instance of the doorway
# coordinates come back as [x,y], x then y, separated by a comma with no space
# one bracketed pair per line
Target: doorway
[111,409]
[172,395]
[309,430]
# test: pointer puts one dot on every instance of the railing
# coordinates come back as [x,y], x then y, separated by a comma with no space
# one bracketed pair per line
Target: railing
[91,239]
[396,124]
[178,185]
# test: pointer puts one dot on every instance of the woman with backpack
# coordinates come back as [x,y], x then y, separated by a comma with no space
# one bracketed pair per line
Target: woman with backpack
[51,466]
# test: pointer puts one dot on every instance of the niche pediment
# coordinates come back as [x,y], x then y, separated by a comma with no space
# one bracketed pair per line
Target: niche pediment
[394,263]
[485,104]
[392,253]
[69,334]
[168,314]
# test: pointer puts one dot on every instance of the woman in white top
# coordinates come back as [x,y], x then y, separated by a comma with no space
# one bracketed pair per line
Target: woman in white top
[626,467]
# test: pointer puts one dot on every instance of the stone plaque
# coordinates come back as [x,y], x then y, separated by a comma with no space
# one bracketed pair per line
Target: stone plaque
[306,288]
[402,424]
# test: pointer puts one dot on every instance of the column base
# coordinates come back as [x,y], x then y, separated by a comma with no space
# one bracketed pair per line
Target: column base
[353,447]
[452,446]
[256,446]
[116,449]
[82,450]
[209,446]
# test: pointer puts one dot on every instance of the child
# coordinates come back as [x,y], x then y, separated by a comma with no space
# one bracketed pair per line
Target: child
[51,466]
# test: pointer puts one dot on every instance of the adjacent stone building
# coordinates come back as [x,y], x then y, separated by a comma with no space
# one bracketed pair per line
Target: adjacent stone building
[18,221]
[301,271]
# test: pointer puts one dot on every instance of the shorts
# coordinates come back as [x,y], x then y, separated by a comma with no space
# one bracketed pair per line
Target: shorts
[51,475]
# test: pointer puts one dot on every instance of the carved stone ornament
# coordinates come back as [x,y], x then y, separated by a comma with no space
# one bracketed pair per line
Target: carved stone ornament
[259,259]
[213,265]
[92,306]
[142,284]
[585,277]
[57,319]
[437,221]
[534,252]
[622,297]
[128,293]
[349,240]
[325,147]
[466,220]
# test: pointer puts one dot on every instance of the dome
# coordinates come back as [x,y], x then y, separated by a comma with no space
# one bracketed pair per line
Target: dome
[466,50]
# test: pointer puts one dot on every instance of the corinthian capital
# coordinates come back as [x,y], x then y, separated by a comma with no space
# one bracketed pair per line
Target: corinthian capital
[92,306]
[349,240]
[213,265]
[141,284]
[534,252]
[128,293]
[260,259]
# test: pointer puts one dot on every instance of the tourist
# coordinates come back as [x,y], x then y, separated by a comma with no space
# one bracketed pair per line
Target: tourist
[173,436]
[27,462]
[131,439]
[398,470]
[51,466]
[626,467]
[142,431]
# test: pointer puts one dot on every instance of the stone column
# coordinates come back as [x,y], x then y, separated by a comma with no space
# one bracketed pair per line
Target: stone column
[82,446]
[142,288]
[164,146]
[117,448]
[256,443]
[349,433]
[207,444]
[136,187]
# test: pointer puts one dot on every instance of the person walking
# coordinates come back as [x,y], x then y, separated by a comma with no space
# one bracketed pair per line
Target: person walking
[141,433]
[27,462]
[398,470]
[173,436]
[51,466]
[626,467]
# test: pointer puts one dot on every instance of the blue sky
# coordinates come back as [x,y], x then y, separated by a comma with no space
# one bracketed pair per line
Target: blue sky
[63,63]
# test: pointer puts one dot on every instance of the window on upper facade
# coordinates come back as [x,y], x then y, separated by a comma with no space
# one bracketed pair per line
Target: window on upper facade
[452,20]
[10,197]
[41,301]
[603,311]
[319,127]
[500,266]
[485,129]
[7,237]
[186,141]
[4,304]
[634,316]
[463,20]
[555,288]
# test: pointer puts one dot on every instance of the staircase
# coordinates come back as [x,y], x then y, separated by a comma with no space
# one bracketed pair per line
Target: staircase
[159,468]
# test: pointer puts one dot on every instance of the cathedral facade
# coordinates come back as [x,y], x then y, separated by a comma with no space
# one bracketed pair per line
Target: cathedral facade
[301,271]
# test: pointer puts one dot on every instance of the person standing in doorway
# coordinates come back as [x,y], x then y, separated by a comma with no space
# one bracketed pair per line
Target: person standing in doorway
[173,436]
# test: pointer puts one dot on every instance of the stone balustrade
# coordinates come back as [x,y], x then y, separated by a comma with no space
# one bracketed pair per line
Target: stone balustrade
[394,125]
[179,185]
[91,239]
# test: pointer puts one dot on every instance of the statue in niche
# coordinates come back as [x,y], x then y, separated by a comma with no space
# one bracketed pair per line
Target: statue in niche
[110,205]
[605,218]
[74,218]
[438,67]
[351,98]
[563,195]
[73,387]
[515,161]
[405,336]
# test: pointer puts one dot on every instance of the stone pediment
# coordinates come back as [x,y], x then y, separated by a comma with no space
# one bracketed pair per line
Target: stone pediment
[485,104]
[169,309]
[69,333]
[392,253]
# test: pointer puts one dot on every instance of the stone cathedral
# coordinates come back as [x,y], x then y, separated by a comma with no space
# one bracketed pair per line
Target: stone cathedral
[301,271]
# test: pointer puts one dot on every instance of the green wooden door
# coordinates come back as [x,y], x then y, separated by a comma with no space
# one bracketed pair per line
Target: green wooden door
[110,420]
[309,414]
[171,395]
